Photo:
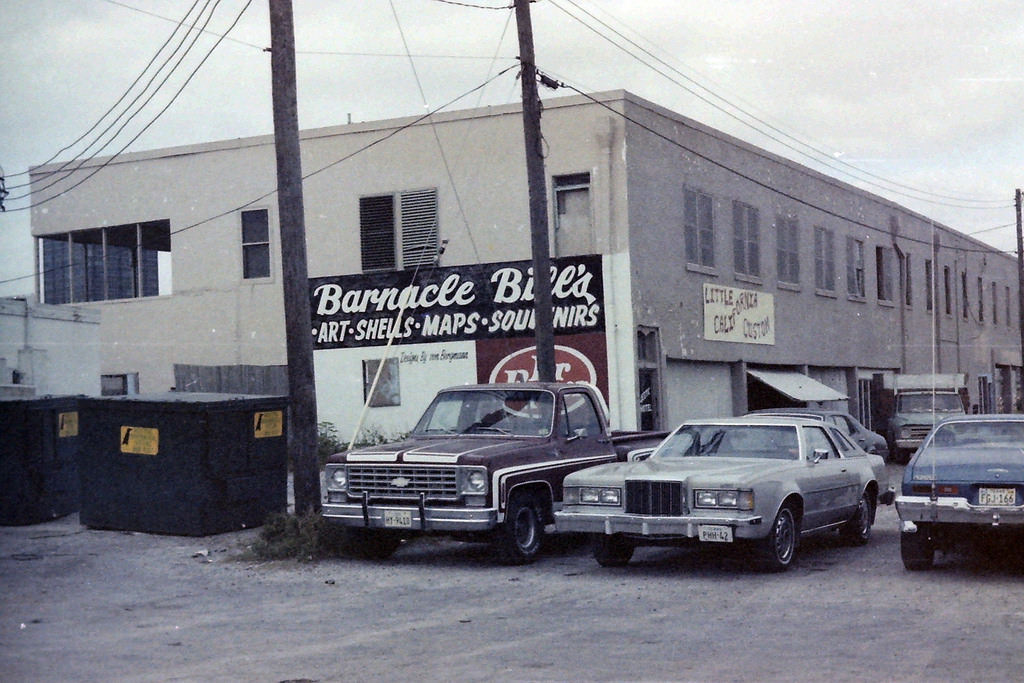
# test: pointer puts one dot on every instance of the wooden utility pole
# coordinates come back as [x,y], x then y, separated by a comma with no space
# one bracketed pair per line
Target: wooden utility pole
[543,307]
[1020,275]
[302,441]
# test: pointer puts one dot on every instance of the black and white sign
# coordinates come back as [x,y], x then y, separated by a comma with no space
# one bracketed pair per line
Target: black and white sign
[457,303]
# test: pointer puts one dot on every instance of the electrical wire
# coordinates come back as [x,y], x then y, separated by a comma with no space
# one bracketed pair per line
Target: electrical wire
[160,113]
[748,177]
[119,100]
[823,157]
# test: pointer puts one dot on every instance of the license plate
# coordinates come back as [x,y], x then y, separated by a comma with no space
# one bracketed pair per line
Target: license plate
[398,518]
[715,533]
[997,496]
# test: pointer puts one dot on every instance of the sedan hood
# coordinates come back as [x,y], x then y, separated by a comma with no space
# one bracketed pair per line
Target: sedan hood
[969,464]
[733,470]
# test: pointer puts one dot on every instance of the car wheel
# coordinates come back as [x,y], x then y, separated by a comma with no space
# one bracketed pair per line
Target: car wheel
[613,550]
[521,534]
[917,549]
[857,531]
[776,550]
[368,544]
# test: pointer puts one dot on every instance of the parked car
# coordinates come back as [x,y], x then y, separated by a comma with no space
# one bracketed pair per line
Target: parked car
[965,483]
[763,481]
[870,441]
[484,463]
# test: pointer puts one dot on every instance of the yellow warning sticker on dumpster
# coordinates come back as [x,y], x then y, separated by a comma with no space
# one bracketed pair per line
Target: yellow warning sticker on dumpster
[67,424]
[140,440]
[270,423]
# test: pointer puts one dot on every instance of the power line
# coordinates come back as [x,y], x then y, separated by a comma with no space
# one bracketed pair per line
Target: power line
[824,158]
[60,173]
[749,178]
[110,159]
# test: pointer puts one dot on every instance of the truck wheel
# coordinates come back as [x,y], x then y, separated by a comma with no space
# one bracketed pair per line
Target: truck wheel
[857,531]
[520,535]
[775,552]
[917,549]
[613,550]
[367,544]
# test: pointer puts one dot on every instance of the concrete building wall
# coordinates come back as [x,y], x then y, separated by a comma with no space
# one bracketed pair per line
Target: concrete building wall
[48,350]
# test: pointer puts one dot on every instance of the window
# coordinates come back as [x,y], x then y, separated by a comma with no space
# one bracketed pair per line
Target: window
[698,228]
[745,239]
[581,416]
[854,267]
[100,264]
[824,259]
[786,249]
[119,385]
[965,306]
[817,440]
[387,392]
[929,286]
[1008,305]
[995,305]
[905,280]
[947,287]
[883,273]
[648,352]
[255,244]
[981,301]
[398,230]
[574,227]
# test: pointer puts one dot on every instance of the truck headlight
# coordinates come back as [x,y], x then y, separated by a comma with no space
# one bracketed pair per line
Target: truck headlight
[336,478]
[736,499]
[904,433]
[473,481]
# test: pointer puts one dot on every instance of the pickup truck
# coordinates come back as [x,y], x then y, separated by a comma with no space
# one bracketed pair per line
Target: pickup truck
[920,402]
[484,463]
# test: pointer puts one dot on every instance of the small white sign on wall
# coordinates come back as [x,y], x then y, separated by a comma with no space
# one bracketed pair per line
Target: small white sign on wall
[738,315]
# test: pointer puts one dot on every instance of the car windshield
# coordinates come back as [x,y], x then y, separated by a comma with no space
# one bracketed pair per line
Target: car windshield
[512,412]
[975,434]
[733,441]
[926,403]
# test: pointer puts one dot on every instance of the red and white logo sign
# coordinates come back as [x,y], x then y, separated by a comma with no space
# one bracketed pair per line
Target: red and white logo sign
[521,366]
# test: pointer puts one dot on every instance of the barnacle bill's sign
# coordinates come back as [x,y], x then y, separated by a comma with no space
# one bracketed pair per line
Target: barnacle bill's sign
[738,315]
[456,303]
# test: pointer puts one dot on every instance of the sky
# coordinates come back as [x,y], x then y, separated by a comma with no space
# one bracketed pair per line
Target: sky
[919,101]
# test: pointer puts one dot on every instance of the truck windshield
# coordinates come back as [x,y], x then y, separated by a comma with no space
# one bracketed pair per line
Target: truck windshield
[732,441]
[511,412]
[927,402]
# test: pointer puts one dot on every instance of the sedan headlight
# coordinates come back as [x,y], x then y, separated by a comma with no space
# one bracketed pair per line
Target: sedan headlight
[735,499]
[336,478]
[593,495]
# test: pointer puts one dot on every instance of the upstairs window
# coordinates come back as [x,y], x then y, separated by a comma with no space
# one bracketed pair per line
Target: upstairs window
[573,223]
[929,286]
[746,247]
[698,228]
[855,267]
[255,244]
[398,231]
[947,289]
[824,259]
[787,251]
[883,273]
[100,264]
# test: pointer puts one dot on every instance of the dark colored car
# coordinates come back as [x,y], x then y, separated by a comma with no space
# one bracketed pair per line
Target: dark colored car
[846,423]
[965,485]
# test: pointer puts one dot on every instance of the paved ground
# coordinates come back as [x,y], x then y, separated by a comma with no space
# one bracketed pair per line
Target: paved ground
[86,605]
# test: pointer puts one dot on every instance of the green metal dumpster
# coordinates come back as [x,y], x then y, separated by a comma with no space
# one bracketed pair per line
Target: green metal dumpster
[182,463]
[38,454]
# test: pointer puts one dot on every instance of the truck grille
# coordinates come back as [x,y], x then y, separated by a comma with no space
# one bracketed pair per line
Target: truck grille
[919,431]
[403,481]
[662,498]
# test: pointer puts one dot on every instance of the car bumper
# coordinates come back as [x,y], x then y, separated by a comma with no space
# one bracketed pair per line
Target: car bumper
[908,444]
[421,518]
[952,510]
[743,526]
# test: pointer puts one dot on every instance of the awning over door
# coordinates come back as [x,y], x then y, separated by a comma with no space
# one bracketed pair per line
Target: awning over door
[796,385]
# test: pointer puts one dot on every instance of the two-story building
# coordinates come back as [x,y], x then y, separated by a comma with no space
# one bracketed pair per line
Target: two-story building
[696,274]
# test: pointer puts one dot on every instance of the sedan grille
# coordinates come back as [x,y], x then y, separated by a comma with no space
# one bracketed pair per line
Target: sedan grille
[661,498]
[403,481]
